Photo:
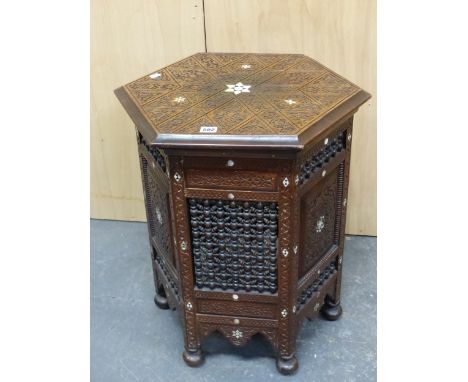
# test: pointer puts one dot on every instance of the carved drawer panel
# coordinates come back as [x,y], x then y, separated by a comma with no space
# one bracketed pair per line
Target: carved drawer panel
[236,308]
[231,179]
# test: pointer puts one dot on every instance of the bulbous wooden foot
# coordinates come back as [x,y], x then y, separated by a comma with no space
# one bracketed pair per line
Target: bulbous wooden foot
[160,299]
[332,312]
[287,366]
[193,358]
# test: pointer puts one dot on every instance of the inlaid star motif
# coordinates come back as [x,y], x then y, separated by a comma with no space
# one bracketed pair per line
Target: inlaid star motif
[246,66]
[179,99]
[155,75]
[238,88]
[237,333]
[290,101]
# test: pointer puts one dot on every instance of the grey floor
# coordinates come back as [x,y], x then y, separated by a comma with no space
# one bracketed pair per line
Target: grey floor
[133,340]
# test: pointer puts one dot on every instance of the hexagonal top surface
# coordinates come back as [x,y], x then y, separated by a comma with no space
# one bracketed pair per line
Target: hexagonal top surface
[239,99]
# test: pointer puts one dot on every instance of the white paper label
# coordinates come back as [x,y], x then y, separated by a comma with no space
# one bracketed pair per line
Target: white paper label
[208,129]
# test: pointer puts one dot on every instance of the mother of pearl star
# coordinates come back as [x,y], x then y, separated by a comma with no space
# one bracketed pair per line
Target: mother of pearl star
[238,88]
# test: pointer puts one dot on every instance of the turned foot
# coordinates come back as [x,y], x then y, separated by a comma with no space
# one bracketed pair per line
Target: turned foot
[160,299]
[193,358]
[331,311]
[287,366]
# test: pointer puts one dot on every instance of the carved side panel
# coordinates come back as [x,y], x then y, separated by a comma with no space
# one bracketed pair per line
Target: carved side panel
[157,206]
[318,221]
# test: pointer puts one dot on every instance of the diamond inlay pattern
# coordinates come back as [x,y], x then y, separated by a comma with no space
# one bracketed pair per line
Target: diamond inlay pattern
[282,94]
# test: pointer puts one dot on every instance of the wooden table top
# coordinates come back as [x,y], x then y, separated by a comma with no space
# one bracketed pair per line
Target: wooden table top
[220,99]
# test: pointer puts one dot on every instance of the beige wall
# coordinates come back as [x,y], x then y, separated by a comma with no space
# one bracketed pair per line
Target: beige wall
[128,39]
[131,38]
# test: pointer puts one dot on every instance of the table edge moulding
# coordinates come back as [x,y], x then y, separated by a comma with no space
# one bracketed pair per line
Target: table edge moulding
[245,169]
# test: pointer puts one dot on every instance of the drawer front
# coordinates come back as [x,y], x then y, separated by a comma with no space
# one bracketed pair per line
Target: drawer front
[234,308]
[231,179]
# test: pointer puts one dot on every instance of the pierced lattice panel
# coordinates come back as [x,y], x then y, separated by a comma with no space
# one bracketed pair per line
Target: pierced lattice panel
[320,156]
[234,244]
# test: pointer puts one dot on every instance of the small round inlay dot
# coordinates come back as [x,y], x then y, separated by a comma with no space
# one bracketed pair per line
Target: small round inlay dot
[324,172]
[326,141]
[235,297]
[236,321]
[230,196]
[230,163]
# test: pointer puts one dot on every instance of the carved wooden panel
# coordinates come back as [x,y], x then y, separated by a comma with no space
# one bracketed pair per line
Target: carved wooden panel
[239,94]
[237,180]
[234,244]
[316,158]
[246,309]
[314,288]
[156,192]
[199,193]
[158,155]
[238,335]
[171,282]
[318,221]
[242,321]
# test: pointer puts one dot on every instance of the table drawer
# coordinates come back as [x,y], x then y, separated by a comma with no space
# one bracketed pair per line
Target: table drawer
[235,308]
[231,179]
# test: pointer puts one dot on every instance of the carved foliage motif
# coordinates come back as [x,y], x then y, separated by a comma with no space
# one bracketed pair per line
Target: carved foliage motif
[318,221]
[218,194]
[192,93]
[234,244]
[238,309]
[233,179]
